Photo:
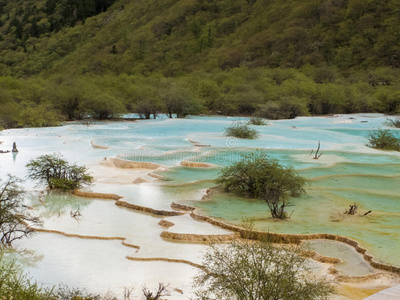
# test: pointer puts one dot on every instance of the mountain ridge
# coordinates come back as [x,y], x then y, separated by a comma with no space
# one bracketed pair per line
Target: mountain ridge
[274,58]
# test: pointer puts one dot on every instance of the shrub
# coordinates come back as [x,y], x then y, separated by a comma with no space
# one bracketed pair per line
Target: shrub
[57,173]
[13,285]
[14,216]
[383,139]
[257,270]
[242,131]
[65,292]
[393,122]
[257,122]
[259,176]
[63,184]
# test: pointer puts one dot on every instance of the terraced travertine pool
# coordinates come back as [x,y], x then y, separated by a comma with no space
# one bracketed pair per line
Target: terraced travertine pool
[347,172]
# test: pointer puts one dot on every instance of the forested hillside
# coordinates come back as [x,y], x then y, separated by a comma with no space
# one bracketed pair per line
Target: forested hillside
[275,58]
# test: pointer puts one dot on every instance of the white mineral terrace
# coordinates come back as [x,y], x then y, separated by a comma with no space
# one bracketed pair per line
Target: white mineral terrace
[137,226]
[392,293]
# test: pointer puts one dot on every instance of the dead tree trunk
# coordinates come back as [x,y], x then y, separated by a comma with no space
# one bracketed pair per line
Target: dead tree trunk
[353,209]
[316,153]
[161,291]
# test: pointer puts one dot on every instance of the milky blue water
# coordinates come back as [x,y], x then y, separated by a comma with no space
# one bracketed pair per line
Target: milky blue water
[348,171]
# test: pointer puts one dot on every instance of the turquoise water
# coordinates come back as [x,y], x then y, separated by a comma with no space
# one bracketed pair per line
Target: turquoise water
[347,172]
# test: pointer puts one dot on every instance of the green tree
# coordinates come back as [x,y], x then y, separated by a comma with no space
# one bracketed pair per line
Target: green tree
[259,176]
[383,139]
[14,285]
[242,131]
[257,122]
[257,270]
[56,172]
[101,106]
[41,115]
[178,100]
[14,215]
[145,101]
[147,108]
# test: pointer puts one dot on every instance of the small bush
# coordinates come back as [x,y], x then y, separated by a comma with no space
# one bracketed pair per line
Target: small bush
[14,285]
[64,292]
[259,176]
[58,173]
[393,122]
[257,122]
[242,131]
[383,139]
[63,184]
[257,270]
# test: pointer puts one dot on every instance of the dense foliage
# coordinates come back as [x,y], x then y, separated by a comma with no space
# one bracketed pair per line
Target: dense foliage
[14,285]
[69,59]
[242,131]
[257,122]
[22,22]
[258,270]
[58,173]
[259,176]
[383,139]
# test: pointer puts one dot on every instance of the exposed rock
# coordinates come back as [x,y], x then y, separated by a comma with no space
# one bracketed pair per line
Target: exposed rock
[148,209]
[198,238]
[323,259]
[139,180]
[159,177]
[126,164]
[365,278]
[87,237]
[183,261]
[183,207]
[165,223]
[197,144]
[98,146]
[80,193]
[192,164]
[130,245]
[178,291]
[296,239]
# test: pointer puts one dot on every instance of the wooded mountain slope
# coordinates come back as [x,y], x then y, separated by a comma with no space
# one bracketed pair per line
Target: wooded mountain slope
[229,56]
